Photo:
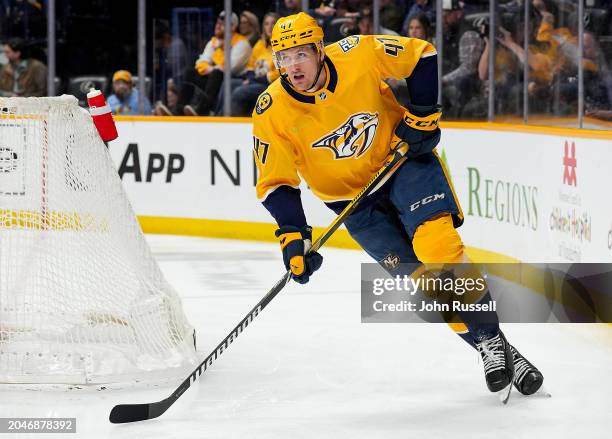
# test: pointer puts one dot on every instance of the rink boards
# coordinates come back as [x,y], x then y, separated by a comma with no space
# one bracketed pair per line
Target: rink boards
[529,193]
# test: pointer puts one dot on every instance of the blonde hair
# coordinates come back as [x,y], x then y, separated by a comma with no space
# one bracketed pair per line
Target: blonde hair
[252,18]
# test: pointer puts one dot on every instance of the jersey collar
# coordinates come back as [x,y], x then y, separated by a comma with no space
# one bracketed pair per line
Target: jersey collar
[309,98]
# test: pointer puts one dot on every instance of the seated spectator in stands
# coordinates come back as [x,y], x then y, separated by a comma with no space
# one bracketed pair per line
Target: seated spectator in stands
[419,7]
[170,57]
[22,76]
[261,71]
[124,99]
[171,100]
[598,77]
[460,84]
[350,8]
[508,78]
[201,84]
[391,16]
[452,28]
[325,10]
[597,80]
[365,24]
[290,7]
[419,27]
[249,27]
[543,65]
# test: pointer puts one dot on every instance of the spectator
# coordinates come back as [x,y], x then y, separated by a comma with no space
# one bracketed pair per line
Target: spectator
[207,75]
[249,27]
[261,71]
[391,16]
[598,76]
[170,57]
[419,7]
[22,76]
[124,99]
[350,8]
[452,17]
[508,77]
[508,71]
[462,49]
[419,27]
[23,18]
[325,11]
[171,104]
[365,24]
[290,7]
[597,80]
[541,62]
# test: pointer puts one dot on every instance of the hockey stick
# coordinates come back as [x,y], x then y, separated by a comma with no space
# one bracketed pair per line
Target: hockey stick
[139,412]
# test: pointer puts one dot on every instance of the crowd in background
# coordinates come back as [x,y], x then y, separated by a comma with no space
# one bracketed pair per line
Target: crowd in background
[190,83]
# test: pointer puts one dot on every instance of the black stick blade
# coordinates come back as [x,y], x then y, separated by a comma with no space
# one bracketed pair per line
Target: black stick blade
[123,413]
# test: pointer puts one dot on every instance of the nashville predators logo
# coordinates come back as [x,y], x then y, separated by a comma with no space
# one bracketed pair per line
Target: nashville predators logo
[263,103]
[353,138]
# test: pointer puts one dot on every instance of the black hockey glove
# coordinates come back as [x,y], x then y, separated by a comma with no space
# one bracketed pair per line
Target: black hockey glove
[419,128]
[295,242]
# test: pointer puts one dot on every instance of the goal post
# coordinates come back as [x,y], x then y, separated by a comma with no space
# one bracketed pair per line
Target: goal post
[82,299]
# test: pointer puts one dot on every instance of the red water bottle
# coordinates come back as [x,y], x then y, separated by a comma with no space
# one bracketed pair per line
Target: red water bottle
[101,115]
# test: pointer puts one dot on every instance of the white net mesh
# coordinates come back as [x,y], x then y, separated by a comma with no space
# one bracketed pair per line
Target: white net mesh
[81,298]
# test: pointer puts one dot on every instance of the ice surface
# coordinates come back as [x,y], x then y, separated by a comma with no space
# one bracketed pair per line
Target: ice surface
[307,368]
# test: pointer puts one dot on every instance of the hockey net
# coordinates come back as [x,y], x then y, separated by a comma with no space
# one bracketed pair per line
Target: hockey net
[81,298]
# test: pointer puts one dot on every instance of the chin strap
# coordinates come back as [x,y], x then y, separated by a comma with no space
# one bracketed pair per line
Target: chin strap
[316,77]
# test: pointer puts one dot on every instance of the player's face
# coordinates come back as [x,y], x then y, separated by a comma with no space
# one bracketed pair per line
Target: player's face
[301,64]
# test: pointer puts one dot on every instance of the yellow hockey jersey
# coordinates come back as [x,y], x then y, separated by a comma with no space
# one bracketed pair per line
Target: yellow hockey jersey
[335,138]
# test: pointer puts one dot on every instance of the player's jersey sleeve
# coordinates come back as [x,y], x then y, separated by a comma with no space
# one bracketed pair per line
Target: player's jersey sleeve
[394,56]
[274,155]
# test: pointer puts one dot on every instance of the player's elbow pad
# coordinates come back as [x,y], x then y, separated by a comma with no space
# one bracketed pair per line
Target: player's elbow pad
[419,128]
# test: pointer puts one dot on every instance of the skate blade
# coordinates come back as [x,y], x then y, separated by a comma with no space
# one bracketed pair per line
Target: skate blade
[542,392]
[504,394]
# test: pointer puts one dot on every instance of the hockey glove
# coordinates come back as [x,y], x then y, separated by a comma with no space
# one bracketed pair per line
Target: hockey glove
[295,242]
[419,128]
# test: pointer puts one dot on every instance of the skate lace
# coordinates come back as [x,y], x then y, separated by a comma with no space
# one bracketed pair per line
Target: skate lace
[521,366]
[492,353]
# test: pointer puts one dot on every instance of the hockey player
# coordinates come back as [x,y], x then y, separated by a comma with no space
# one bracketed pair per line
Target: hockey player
[332,120]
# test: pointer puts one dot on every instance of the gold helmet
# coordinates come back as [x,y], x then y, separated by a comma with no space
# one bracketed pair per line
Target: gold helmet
[295,30]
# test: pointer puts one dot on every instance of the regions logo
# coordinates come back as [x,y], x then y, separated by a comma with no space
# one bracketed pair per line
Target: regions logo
[263,103]
[348,43]
[352,138]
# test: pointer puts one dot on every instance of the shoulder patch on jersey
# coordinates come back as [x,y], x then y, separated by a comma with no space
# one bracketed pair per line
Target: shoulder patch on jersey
[263,103]
[348,43]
